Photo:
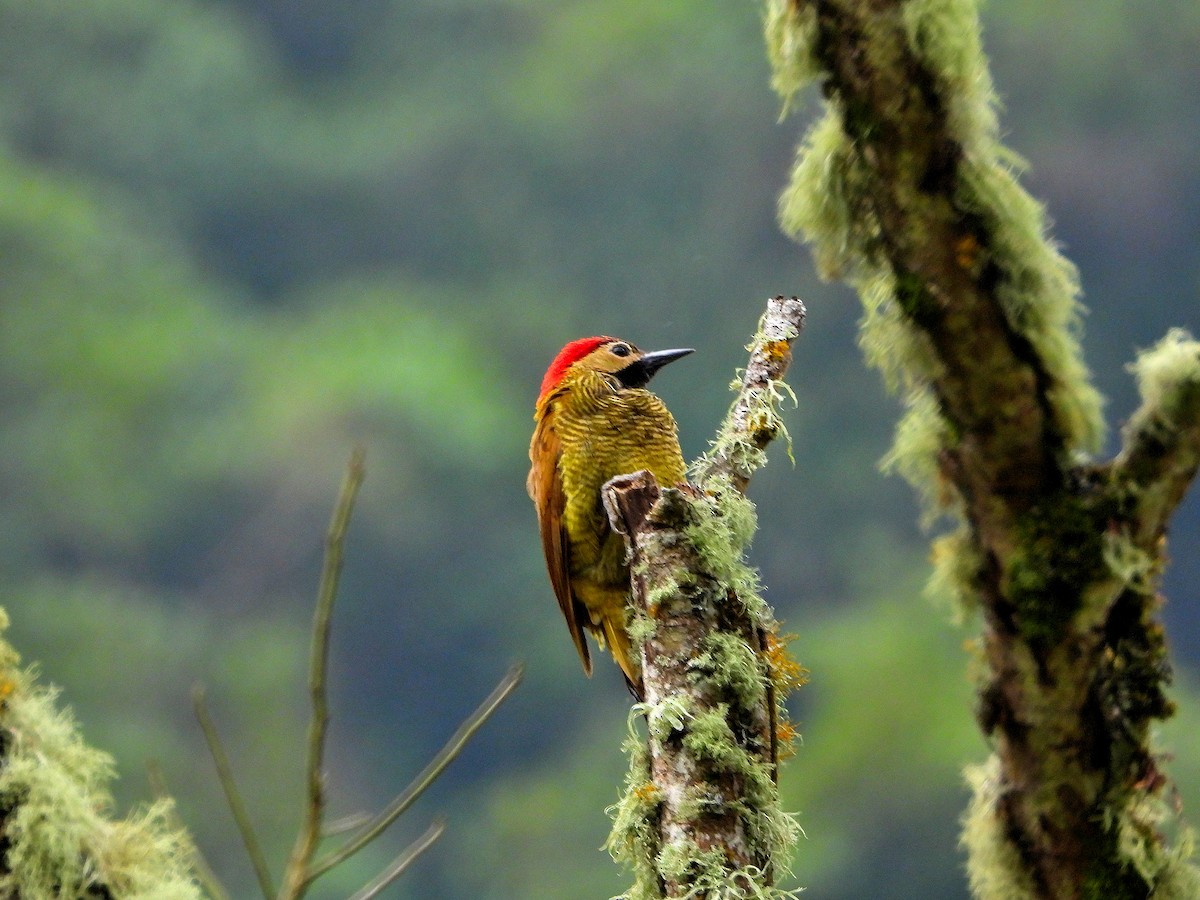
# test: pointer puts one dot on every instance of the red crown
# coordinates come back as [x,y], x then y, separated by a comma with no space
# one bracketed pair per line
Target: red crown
[567,357]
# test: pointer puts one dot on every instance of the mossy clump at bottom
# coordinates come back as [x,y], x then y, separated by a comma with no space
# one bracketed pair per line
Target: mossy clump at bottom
[59,839]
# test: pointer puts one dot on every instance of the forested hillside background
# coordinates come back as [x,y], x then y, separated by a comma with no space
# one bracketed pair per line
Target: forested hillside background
[239,236]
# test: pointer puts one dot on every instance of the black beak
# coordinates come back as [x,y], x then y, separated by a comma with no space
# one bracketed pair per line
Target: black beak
[638,373]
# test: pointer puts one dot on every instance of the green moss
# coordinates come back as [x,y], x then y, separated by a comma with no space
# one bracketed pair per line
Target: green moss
[710,738]
[912,294]
[54,802]
[1060,550]
[640,626]
[721,528]
[730,664]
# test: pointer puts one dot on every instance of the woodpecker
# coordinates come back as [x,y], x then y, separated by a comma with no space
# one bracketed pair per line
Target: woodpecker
[595,420]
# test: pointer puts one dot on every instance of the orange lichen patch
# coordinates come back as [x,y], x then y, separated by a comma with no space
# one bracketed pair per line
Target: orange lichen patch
[774,351]
[786,673]
[785,739]
[647,792]
[7,687]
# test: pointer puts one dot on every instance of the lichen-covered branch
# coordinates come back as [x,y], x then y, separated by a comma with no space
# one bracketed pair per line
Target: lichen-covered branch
[903,189]
[700,816]
[1161,449]
[753,420]
[59,838]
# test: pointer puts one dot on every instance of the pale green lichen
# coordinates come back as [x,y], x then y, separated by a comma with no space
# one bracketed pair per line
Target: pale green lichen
[790,28]
[736,445]
[633,840]
[54,802]
[820,200]
[945,34]
[710,876]
[997,872]
[900,353]
[1039,291]
[667,716]
[994,866]
[955,572]
[1165,373]
[729,663]
[1170,872]
[920,438]
[1134,567]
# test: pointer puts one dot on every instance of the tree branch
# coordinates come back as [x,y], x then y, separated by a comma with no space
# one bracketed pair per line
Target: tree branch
[1161,450]
[904,189]
[406,798]
[400,864]
[233,796]
[296,875]
[753,420]
[701,817]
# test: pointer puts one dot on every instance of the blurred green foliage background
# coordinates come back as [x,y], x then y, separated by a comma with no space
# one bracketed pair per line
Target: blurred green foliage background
[239,236]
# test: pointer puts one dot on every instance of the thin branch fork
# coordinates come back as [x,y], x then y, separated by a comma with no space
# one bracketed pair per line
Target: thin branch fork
[302,870]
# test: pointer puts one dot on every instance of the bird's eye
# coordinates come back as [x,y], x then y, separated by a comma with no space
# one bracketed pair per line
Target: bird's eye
[620,349]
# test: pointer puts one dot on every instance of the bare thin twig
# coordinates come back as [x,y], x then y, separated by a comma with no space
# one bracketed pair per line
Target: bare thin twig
[406,858]
[346,824]
[301,870]
[233,796]
[297,876]
[436,766]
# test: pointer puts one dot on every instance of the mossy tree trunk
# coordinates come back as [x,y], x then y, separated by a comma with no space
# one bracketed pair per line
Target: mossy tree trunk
[903,189]
[700,817]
